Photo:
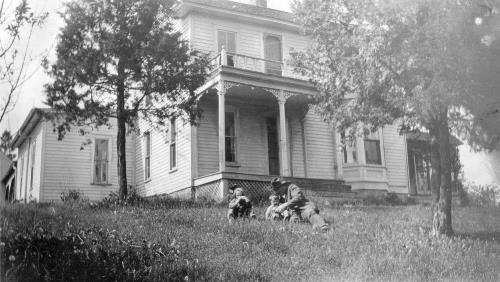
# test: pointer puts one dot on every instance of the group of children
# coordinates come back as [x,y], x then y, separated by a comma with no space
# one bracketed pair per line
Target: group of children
[288,203]
[240,206]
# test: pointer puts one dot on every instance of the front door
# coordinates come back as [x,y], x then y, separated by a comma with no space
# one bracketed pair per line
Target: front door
[272,146]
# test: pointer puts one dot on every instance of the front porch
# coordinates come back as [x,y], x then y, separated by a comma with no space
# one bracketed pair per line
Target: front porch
[215,186]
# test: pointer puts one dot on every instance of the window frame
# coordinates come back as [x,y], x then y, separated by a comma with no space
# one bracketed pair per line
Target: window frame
[147,155]
[108,160]
[235,138]
[230,58]
[349,150]
[173,162]
[373,137]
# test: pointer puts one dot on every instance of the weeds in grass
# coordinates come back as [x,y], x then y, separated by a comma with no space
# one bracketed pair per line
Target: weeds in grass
[166,239]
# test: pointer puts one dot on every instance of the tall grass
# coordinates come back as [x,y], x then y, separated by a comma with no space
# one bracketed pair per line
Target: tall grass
[190,242]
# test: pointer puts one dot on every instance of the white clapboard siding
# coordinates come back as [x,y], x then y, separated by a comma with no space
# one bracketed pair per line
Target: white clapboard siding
[68,164]
[208,158]
[24,190]
[395,159]
[251,141]
[320,147]
[249,37]
[296,147]
[163,180]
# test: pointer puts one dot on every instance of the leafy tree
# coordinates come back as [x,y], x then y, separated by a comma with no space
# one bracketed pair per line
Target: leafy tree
[417,63]
[123,60]
[17,26]
[5,144]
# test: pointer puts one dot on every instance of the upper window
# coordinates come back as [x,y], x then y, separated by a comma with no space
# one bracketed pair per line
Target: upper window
[272,54]
[173,144]
[228,40]
[101,159]
[230,136]
[372,149]
[147,157]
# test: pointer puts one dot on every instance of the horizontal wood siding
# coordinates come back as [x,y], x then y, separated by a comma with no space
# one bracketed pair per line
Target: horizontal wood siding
[208,158]
[251,141]
[296,147]
[68,164]
[320,147]
[163,180]
[249,37]
[395,158]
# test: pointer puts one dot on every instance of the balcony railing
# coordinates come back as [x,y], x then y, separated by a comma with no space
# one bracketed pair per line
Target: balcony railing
[250,63]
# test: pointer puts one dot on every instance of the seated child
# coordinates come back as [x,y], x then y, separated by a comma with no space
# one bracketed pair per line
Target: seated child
[271,213]
[239,205]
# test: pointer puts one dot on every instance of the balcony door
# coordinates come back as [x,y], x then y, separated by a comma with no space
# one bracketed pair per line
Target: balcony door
[272,54]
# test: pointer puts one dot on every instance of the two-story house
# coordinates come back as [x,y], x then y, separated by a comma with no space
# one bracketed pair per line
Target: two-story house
[256,124]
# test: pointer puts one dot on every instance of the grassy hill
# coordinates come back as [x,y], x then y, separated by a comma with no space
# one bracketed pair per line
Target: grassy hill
[191,242]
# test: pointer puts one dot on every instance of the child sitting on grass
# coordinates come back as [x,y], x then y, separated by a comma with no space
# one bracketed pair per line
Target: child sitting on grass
[239,204]
[272,214]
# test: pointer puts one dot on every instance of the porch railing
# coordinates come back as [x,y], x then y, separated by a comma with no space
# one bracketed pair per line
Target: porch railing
[245,62]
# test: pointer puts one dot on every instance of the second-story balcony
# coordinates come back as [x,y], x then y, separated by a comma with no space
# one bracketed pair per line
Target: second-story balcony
[254,64]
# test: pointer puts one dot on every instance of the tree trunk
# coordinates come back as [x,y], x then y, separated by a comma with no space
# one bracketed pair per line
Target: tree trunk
[435,166]
[442,213]
[120,139]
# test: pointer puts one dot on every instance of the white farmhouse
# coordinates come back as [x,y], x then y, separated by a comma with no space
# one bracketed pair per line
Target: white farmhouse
[256,124]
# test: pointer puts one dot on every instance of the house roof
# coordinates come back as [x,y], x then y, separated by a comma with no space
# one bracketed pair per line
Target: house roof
[245,8]
[28,125]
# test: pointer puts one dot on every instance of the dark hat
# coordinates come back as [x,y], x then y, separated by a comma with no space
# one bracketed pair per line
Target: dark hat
[234,186]
[277,182]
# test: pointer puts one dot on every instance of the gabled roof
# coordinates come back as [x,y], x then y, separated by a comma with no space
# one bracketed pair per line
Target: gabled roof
[245,8]
[28,125]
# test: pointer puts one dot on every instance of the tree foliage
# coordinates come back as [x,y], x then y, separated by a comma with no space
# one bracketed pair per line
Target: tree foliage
[123,60]
[17,25]
[418,63]
[6,144]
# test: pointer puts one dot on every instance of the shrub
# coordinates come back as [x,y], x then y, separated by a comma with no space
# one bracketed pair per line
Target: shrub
[481,195]
[71,196]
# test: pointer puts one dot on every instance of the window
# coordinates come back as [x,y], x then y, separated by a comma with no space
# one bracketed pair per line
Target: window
[148,101]
[32,162]
[272,54]
[228,40]
[349,150]
[101,158]
[147,157]
[173,141]
[372,149]
[230,134]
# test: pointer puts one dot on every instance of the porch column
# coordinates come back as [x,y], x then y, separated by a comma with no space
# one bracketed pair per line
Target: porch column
[222,127]
[285,165]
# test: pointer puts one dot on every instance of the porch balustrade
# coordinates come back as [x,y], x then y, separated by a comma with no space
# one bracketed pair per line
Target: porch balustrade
[255,64]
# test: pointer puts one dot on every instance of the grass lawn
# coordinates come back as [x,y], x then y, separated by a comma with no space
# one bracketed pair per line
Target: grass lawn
[182,241]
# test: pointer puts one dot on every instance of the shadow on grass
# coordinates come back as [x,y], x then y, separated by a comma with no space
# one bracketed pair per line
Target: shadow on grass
[489,236]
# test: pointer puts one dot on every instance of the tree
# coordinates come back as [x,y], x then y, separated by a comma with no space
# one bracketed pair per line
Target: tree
[123,60]
[5,144]
[417,63]
[14,57]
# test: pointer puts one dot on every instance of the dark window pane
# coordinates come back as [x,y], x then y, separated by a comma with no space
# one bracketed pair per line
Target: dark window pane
[372,152]
[229,122]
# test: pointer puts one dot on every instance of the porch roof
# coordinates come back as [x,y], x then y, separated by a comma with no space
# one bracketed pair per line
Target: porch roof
[425,137]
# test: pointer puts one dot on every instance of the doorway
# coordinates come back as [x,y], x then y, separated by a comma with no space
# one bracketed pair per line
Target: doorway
[272,146]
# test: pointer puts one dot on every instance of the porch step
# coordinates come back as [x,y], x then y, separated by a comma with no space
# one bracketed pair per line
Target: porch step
[322,185]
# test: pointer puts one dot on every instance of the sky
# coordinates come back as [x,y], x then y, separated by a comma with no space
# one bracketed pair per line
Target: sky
[478,167]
